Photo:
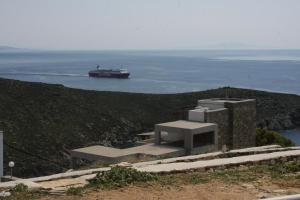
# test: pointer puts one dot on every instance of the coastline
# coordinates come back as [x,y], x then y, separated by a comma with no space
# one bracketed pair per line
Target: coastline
[47,119]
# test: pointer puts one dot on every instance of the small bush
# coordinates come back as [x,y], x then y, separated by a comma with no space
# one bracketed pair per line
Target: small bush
[196,178]
[286,168]
[267,137]
[120,176]
[74,191]
[234,175]
[168,180]
[19,188]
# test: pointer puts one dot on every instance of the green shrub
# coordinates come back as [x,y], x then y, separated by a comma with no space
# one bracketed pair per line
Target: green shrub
[169,180]
[74,191]
[286,168]
[267,137]
[120,176]
[196,178]
[19,188]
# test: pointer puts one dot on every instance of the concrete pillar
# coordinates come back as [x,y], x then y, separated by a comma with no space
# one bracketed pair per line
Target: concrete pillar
[157,136]
[1,155]
[188,143]
[216,138]
[74,162]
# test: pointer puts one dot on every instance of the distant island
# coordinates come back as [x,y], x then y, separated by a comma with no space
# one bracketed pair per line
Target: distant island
[12,49]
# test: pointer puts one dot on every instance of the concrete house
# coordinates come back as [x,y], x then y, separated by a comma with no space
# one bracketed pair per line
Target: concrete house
[235,118]
[214,124]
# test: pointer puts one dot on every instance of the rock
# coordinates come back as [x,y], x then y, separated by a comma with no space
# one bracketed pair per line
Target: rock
[202,169]
[287,123]
[295,117]
[248,186]
[275,125]
[225,148]
[284,159]
[280,191]
[263,195]
[30,184]
[5,194]
[123,164]
[61,183]
[88,177]
[58,191]
[243,167]
[281,122]
[273,162]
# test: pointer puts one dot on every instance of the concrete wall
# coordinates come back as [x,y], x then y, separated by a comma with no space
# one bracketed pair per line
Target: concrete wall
[132,158]
[196,115]
[173,137]
[211,104]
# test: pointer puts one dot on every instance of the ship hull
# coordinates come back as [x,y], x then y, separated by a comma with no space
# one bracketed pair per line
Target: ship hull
[96,74]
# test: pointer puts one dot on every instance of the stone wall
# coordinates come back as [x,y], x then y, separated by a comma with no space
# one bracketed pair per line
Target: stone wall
[242,123]
[236,122]
[221,118]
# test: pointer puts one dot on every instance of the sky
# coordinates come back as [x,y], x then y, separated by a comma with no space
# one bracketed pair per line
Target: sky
[150,24]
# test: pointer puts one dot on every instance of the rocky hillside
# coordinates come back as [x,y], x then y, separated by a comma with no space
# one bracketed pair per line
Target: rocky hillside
[41,122]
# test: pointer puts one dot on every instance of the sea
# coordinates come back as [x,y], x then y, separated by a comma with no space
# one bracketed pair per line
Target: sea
[160,71]
[172,71]
[293,135]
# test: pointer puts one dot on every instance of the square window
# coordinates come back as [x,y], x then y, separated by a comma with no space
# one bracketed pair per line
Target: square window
[203,139]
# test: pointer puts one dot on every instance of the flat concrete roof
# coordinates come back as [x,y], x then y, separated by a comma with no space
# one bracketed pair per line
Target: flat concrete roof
[146,134]
[148,149]
[183,124]
[223,100]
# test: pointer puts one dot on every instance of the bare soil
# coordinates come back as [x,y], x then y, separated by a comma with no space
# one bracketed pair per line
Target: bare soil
[213,190]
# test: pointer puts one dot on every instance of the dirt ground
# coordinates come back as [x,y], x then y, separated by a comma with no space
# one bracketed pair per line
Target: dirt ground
[212,190]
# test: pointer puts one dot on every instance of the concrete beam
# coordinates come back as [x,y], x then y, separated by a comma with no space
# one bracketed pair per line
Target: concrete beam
[157,135]
[288,197]
[188,143]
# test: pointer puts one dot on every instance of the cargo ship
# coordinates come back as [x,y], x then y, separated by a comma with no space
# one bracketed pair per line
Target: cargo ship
[109,73]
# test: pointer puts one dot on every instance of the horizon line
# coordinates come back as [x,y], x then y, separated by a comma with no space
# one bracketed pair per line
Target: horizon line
[149,49]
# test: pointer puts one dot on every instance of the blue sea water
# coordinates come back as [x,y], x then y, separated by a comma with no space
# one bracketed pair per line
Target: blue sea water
[159,71]
[293,135]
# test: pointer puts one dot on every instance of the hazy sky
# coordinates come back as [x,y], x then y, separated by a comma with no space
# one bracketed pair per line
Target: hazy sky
[150,24]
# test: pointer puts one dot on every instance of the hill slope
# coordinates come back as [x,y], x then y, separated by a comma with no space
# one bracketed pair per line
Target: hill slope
[42,122]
